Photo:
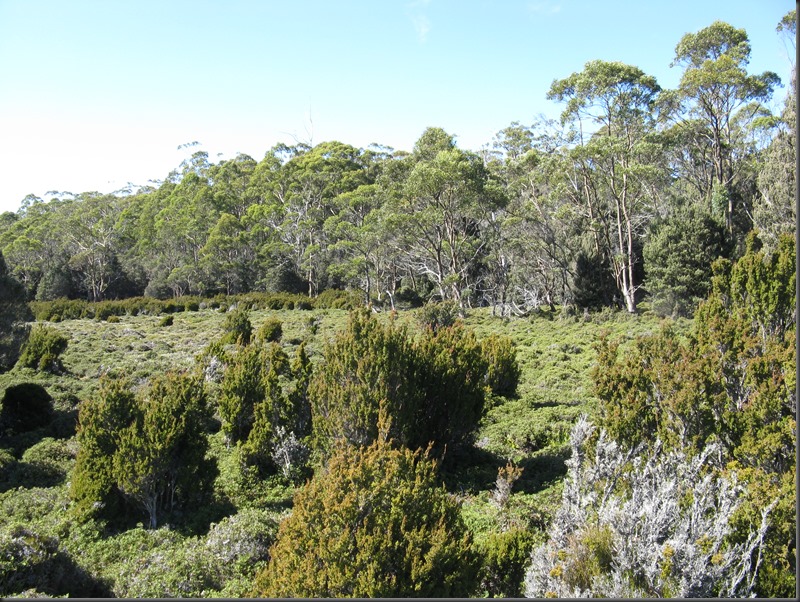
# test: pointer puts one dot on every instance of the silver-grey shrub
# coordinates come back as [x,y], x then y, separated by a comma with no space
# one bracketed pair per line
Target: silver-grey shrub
[636,524]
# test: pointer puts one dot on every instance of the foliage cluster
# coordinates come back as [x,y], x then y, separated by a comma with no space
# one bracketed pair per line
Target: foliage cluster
[43,349]
[14,314]
[434,388]
[374,523]
[636,524]
[732,382]
[146,451]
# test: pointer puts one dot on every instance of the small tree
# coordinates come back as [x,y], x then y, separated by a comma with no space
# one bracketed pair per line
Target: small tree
[374,523]
[25,407]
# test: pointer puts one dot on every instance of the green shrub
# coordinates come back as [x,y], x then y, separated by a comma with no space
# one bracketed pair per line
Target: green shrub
[167,320]
[433,389]
[25,407]
[271,330]
[505,557]
[338,299]
[440,314]
[43,348]
[237,326]
[375,523]
[504,371]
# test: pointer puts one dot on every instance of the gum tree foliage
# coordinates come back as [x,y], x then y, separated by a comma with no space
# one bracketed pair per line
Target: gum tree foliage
[375,522]
[434,388]
[716,96]
[146,450]
[616,168]
[635,525]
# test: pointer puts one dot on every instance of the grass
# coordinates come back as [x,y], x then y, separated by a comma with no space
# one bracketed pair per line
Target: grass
[555,352]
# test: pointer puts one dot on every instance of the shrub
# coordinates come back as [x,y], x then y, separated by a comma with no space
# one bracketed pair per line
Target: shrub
[504,371]
[14,313]
[439,314]
[167,320]
[237,327]
[271,330]
[633,525]
[25,407]
[43,349]
[433,389]
[505,557]
[374,523]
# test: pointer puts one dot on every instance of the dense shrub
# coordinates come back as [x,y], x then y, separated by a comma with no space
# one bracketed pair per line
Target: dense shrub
[168,320]
[271,330]
[504,371]
[237,327]
[374,523]
[14,313]
[678,258]
[149,448]
[505,556]
[439,314]
[43,348]
[25,407]
[339,299]
[433,388]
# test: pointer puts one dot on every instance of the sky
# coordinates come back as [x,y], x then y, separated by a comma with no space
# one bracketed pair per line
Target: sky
[95,94]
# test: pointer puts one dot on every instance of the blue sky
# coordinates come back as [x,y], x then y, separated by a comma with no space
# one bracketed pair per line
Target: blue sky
[97,93]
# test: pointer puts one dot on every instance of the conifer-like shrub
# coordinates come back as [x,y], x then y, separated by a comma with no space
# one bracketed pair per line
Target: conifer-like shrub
[146,451]
[271,330]
[434,388]
[376,522]
[237,326]
[503,370]
[439,314]
[25,407]
[43,349]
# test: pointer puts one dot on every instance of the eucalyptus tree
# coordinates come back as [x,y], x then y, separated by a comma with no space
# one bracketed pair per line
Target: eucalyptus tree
[614,159]
[716,96]
[441,212]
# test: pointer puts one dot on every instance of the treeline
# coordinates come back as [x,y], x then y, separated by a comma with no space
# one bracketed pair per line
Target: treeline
[636,190]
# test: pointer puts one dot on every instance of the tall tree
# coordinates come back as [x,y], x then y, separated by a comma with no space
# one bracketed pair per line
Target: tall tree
[616,159]
[713,89]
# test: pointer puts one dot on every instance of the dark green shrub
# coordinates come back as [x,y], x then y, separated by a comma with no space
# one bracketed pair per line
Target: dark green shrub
[440,314]
[25,407]
[237,326]
[678,258]
[375,523]
[42,351]
[271,330]
[433,389]
[167,320]
[14,313]
[503,371]
[339,299]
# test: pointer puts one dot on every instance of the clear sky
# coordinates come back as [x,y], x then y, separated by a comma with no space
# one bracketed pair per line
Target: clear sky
[98,93]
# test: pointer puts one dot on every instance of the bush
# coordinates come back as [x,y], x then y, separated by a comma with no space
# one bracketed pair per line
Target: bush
[237,326]
[271,330]
[505,557]
[374,523]
[14,313]
[43,349]
[633,525]
[433,389]
[25,407]
[504,371]
[168,320]
[440,314]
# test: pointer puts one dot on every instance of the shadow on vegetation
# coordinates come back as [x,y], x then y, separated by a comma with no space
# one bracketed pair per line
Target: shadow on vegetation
[37,566]
[542,469]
